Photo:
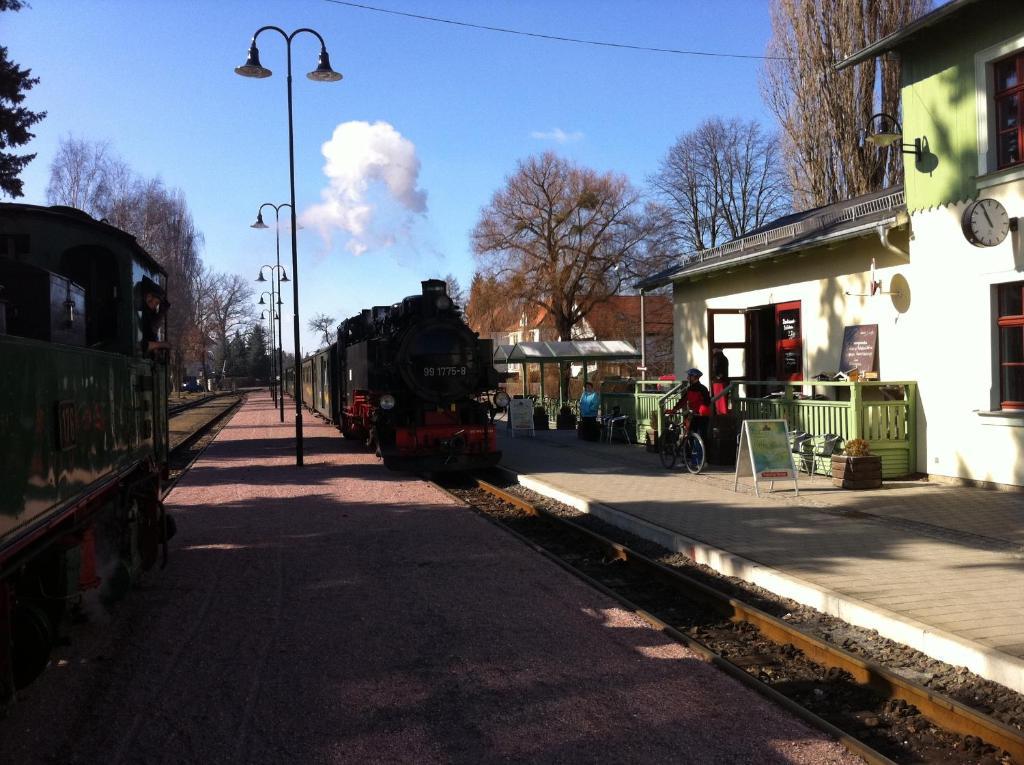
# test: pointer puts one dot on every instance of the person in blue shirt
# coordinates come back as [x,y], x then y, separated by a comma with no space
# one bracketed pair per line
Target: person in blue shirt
[589,401]
[589,430]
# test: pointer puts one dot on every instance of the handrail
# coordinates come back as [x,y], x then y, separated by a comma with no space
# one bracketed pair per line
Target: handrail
[814,223]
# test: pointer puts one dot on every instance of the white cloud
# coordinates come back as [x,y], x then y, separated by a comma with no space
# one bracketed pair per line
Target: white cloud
[557,135]
[372,195]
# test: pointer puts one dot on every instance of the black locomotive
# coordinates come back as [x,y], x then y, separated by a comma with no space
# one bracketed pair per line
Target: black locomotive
[413,382]
[83,413]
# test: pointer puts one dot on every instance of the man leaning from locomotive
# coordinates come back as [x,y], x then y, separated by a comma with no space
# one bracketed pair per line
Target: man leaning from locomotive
[154,306]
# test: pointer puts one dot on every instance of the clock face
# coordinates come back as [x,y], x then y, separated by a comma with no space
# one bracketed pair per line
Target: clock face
[986,223]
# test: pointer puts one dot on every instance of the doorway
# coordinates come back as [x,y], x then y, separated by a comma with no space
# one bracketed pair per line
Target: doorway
[761,343]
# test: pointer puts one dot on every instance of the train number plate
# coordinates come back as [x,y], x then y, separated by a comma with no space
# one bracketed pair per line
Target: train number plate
[67,425]
[445,371]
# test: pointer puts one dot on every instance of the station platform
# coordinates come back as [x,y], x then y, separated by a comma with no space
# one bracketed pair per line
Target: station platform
[937,567]
[339,612]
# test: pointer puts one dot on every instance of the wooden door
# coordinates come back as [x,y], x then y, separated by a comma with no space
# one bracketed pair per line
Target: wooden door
[789,351]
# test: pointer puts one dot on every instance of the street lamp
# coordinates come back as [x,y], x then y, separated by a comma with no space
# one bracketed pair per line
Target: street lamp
[277,232]
[275,313]
[278,275]
[270,316]
[323,73]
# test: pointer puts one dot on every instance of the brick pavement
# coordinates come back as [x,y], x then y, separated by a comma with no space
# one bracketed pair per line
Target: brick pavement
[934,566]
[343,613]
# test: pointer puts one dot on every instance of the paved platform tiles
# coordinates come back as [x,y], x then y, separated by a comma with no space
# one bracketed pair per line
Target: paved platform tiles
[936,567]
[343,613]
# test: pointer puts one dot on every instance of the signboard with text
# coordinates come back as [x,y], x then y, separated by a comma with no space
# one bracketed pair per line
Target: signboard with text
[764,452]
[520,413]
[860,349]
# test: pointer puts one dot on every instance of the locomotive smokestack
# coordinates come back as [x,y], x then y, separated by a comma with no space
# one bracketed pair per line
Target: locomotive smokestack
[434,287]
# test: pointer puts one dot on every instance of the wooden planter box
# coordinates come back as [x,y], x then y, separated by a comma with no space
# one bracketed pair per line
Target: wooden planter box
[857,472]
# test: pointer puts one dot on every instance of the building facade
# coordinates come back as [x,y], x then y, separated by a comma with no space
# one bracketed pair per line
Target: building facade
[931,275]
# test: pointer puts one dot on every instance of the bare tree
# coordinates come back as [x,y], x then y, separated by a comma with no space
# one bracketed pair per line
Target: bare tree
[321,322]
[89,176]
[86,175]
[230,310]
[822,111]
[558,235]
[718,182]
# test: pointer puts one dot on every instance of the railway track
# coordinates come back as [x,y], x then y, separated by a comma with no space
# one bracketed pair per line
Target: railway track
[176,409]
[186,449]
[875,712]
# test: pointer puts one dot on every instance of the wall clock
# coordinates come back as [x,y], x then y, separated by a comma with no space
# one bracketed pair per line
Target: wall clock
[985,223]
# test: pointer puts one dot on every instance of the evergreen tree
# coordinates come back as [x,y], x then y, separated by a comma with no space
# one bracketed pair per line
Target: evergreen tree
[235,359]
[257,354]
[15,120]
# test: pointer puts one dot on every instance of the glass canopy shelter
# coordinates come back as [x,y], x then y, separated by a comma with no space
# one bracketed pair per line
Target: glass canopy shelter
[562,352]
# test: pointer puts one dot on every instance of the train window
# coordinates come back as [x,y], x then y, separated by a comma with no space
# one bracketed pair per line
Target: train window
[96,270]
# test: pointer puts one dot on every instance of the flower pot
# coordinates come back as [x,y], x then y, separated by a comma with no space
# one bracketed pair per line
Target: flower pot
[540,418]
[857,472]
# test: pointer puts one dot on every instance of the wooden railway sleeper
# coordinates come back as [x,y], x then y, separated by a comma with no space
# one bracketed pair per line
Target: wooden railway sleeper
[941,710]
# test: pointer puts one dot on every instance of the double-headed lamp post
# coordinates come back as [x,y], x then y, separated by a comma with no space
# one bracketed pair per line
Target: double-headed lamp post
[260,224]
[270,315]
[278,275]
[322,73]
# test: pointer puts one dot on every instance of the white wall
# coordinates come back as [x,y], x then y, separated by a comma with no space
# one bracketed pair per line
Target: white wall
[939,331]
[951,344]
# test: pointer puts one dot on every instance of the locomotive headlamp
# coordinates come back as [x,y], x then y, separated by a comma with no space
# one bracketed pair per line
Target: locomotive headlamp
[501,399]
[387,402]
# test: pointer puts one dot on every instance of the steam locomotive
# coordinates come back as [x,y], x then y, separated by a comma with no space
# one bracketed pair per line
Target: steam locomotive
[83,413]
[413,382]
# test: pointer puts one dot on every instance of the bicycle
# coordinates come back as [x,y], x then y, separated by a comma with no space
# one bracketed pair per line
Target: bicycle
[680,442]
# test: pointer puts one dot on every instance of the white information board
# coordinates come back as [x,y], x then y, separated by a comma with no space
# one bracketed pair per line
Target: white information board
[520,413]
[764,453]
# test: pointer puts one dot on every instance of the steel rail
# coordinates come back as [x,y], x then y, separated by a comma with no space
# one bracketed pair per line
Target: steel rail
[945,712]
[853,744]
[174,411]
[199,432]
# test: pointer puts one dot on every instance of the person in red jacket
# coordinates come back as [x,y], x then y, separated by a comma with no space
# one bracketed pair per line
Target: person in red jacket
[698,400]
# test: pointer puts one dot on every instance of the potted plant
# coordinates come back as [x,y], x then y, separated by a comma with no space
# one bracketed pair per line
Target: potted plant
[856,467]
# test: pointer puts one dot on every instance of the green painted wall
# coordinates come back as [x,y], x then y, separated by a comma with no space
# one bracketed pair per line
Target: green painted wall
[939,100]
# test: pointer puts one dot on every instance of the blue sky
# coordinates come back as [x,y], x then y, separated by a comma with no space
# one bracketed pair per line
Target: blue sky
[426,125]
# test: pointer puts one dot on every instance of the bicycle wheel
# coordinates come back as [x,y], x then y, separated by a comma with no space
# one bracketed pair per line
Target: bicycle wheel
[667,450]
[694,454]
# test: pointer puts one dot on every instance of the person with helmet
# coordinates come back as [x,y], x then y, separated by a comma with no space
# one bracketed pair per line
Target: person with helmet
[698,400]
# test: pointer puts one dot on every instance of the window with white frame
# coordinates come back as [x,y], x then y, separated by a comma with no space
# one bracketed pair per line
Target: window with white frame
[999,81]
[1007,100]
[1010,328]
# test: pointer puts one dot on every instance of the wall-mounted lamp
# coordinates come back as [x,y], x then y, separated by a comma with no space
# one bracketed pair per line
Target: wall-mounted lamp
[876,286]
[889,133]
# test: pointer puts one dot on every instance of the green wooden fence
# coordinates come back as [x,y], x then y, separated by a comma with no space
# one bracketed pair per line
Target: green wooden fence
[882,413]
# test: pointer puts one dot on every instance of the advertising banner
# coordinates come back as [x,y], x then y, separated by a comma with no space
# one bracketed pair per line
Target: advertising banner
[765,453]
[520,412]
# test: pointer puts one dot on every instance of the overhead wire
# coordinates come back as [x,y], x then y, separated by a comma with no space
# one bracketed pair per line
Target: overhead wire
[555,38]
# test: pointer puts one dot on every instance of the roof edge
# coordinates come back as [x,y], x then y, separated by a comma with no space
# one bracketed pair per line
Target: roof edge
[892,41]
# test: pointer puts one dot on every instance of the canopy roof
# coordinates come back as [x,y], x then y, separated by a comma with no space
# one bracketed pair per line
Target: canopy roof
[576,350]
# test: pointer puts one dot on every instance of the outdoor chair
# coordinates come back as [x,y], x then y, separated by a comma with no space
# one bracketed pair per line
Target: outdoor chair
[617,423]
[817,453]
[798,444]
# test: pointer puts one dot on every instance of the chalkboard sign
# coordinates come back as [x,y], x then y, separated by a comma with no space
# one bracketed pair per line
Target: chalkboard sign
[860,348]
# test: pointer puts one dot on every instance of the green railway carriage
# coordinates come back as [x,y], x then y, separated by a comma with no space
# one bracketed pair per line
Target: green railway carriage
[83,413]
